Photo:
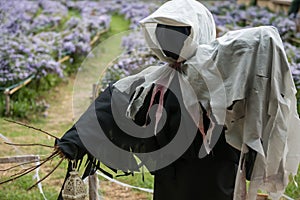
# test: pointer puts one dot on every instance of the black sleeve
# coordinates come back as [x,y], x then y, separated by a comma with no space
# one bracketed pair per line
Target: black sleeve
[72,147]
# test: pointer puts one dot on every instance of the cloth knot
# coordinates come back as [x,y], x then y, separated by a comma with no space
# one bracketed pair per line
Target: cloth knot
[176,66]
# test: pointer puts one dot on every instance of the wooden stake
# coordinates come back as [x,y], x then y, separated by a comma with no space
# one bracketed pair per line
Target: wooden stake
[64,59]
[20,86]
[93,179]
[93,187]
[7,102]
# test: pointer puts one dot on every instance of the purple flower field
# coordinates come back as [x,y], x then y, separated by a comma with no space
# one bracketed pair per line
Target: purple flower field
[35,35]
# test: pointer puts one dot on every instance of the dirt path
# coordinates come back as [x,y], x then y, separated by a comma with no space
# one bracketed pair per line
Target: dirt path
[60,114]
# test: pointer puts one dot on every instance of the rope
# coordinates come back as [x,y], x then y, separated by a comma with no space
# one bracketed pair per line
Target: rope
[125,184]
[147,189]
[287,197]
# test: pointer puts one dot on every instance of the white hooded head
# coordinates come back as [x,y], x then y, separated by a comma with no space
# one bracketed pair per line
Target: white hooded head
[181,13]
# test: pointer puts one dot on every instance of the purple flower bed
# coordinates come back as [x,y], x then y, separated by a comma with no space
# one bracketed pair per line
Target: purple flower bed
[136,11]
[34,35]
[232,16]
[136,55]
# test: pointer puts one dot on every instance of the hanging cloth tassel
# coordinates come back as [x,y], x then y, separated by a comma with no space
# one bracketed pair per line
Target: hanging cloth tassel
[161,90]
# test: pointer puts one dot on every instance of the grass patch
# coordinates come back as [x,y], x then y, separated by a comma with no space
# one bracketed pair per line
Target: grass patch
[117,25]
[292,190]
[137,180]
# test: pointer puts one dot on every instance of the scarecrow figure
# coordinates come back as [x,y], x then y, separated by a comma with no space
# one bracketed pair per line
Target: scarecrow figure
[231,100]
[220,111]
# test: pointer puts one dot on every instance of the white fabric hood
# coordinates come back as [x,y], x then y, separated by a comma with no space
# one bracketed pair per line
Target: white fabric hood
[181,13]
[246,71]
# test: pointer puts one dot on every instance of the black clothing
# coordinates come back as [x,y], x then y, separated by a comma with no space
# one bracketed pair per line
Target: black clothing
[188,177]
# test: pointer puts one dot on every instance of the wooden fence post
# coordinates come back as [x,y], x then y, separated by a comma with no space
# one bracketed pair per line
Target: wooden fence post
[7,102]
[93,187]
[93,179]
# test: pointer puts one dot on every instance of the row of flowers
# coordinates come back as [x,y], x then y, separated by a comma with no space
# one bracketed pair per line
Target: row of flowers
[36,34]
